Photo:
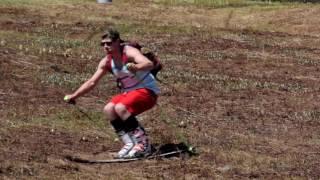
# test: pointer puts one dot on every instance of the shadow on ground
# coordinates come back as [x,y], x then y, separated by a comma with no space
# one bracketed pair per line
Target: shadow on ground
[184,149]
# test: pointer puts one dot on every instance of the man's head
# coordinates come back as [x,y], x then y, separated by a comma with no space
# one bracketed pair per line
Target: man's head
[110,40]
[111,34]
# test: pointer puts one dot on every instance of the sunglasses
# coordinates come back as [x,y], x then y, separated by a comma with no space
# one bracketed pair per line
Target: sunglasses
[108,43]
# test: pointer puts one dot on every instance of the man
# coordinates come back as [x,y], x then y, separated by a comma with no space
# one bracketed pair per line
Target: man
[138,92]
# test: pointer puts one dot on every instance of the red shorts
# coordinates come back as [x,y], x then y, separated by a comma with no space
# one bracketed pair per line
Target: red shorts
[136,101]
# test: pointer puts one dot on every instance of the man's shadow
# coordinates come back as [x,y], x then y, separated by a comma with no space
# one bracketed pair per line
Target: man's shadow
[173,150]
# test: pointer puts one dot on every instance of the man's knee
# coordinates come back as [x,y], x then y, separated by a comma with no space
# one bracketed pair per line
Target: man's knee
[120,109]
[109,109]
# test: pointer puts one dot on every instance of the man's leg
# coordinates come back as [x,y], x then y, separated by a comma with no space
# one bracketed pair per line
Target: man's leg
[131,104]
[131,126]
[119,126]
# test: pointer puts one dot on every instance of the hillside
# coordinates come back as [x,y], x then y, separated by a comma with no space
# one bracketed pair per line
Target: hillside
[240,83]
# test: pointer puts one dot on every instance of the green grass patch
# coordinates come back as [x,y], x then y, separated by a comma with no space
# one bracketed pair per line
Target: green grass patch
[47,45]
[216,3]
[75,119]
[70,81]
[227,83]
[144,28]
[39,41]
[40,2]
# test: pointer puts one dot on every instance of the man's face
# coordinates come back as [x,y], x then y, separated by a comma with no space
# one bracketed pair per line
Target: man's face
[109,45]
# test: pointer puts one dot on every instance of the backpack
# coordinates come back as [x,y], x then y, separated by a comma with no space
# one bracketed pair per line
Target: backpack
[157,65]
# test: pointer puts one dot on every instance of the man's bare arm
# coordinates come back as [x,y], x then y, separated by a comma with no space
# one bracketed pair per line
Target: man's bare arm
[141,63]
[92,82]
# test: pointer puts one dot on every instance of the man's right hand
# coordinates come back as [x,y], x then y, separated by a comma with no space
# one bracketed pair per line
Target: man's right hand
[68,99]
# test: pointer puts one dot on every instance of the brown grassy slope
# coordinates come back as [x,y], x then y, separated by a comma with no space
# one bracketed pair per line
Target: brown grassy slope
[241,85]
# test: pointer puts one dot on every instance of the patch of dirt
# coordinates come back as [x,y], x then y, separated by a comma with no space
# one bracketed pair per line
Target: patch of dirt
[45,146]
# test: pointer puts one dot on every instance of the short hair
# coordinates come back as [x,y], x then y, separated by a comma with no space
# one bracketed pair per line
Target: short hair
[112,34]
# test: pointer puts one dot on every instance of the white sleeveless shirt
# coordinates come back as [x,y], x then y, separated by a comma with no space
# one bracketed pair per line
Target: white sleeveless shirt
[131,81]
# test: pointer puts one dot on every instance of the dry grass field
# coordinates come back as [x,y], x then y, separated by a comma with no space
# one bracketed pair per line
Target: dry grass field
[240,83]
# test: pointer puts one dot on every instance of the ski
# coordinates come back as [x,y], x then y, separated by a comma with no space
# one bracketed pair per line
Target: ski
[92,161]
